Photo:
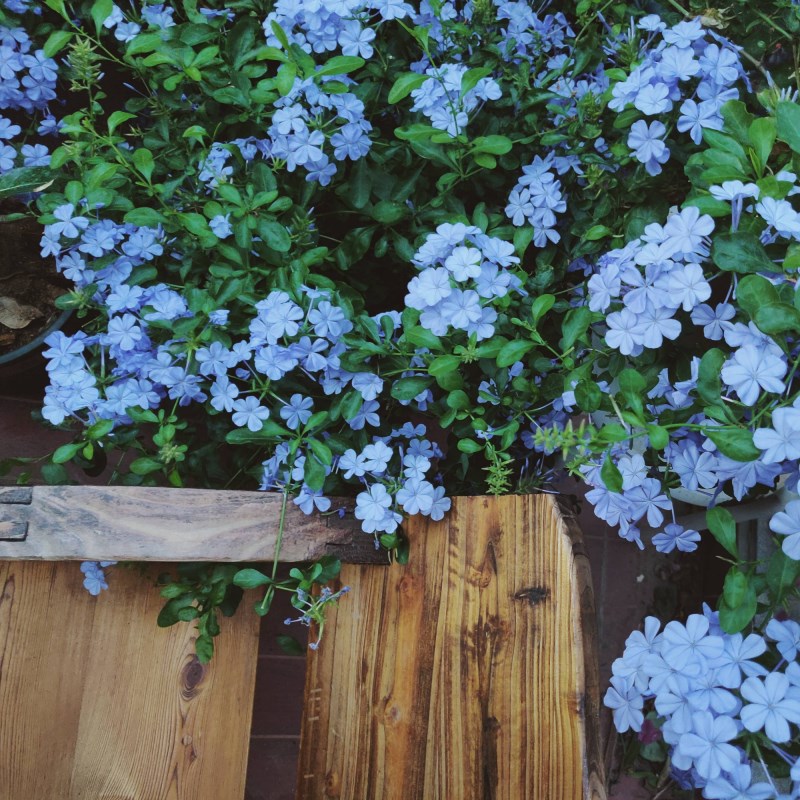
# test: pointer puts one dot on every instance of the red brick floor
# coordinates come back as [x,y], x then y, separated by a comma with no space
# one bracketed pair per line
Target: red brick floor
[624,580]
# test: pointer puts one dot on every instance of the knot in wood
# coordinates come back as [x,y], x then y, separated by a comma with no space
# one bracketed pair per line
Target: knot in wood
[191,677]
[533,595]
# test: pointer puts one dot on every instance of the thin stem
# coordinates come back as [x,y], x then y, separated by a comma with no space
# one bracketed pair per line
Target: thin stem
[281,525]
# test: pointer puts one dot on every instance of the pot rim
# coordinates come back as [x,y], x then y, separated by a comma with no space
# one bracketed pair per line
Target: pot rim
[19,352]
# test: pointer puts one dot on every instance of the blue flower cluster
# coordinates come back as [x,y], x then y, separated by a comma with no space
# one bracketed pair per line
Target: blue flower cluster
[709,691]
[309,126]
[537,198]
[27,76]
[653,290]
[463,273]
[442,99]
[683,64]
[289,345]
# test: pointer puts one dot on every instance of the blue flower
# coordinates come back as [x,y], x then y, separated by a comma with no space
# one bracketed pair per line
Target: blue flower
[768,707]
[626,703]
[250,413]
[220,226]
[749,371]
[787,523]
[676,536]
[707,744]
[297,411]
[648,146]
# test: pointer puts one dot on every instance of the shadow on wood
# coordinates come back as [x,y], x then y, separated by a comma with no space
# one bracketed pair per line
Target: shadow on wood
[468,674]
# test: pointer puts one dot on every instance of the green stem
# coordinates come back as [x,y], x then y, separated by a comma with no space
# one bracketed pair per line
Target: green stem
[281,525]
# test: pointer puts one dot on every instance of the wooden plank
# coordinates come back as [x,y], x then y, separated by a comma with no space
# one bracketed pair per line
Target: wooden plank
[468,673]
[129,523]
[98,702]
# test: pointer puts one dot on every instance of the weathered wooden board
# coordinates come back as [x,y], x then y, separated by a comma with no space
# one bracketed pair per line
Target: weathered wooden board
[129,523]
[98,703]
[469,673]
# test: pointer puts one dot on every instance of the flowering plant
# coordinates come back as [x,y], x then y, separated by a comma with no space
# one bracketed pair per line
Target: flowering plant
[589,216]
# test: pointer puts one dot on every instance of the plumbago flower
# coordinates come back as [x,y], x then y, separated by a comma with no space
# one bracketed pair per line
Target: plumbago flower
[706,693]
[396,250]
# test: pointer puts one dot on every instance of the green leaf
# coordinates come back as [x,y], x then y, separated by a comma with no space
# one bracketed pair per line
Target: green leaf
[422,337]
[274,235]
[788,124]
[143,161]
[404,85]
[762,136]
[659,436]
[458,400]
[321,451]
[270,430]
[284,80]
[388,212]
[541,305]
[734,620]
[23,180]
[442,365]
[204,647]
[279,34]
[54,474]
[611,476]
[513,351]
[588,395]
[754,291]
[101,10]
[313,473]
[169,614]
[735,587]
[340,65]
[117,118]
[741,252]
[494,145]
[409,388]
[99,429]
[360,184]
[722,526]
[146,217]
[708,383]
[596,232]
[145,465]
[56,42]
[575,324]
[777,318]
[250,579]
[782,573]
[66,452]
[736,443]
[469,446]
[471,77]
[737,121]
[706,204]
[631,384]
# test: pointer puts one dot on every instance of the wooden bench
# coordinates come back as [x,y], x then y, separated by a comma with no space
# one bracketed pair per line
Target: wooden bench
[468,673]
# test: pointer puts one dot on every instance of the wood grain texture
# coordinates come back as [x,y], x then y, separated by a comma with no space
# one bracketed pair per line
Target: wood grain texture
[98,703]
[468,674]
[126,523]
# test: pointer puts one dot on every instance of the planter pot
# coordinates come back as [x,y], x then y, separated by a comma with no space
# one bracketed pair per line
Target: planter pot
[486,633]
[29,286]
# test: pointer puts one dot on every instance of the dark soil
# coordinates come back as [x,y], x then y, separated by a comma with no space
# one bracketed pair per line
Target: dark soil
[27,279]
